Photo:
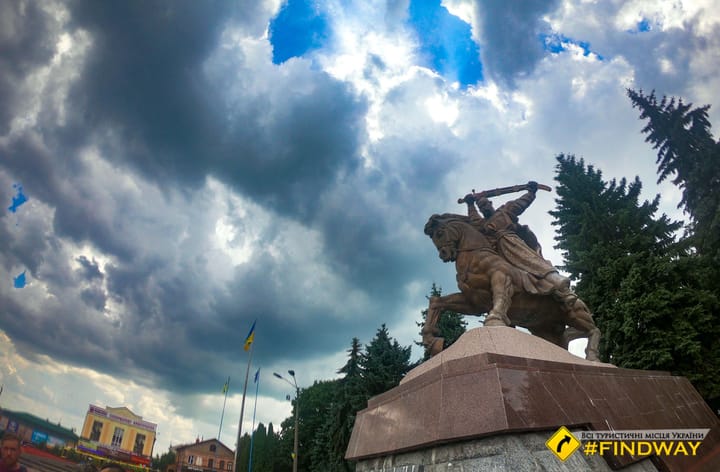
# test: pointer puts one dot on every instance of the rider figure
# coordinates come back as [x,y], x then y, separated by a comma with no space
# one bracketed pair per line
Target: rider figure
[486,208]
[522,252]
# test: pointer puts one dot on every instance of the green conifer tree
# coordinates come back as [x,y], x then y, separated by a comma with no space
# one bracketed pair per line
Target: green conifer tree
[384,363]
[688,153]
[651,299]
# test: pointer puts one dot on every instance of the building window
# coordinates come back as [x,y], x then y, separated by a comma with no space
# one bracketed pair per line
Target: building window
[213,448]
[210,463]
[191,459]
[96,430]
[222,465]
[229,466]
[139,444]
[117,437]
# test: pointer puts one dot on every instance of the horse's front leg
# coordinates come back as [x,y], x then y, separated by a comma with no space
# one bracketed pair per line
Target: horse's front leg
[430,332]
[502,291]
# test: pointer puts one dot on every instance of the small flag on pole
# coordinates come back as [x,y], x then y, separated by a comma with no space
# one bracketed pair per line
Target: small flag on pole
[225,387]
[257,375]
[250,337]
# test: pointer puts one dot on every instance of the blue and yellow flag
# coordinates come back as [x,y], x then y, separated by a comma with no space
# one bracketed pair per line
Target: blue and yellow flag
[226,386]
[250,337]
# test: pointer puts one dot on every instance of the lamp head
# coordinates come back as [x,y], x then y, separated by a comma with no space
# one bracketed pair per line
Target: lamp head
[277,375]
[291,372]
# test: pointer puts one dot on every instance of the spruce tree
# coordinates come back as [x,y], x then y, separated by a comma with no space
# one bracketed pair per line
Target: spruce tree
[655,304]
[687,152]
[384,363]
[603,230]
[244,453]
[350,397]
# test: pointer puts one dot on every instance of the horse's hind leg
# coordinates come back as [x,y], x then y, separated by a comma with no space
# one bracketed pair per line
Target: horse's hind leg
[502,292]
[581,320]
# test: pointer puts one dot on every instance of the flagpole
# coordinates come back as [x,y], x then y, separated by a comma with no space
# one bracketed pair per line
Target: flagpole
[252,433]
[227,388]
[250,338]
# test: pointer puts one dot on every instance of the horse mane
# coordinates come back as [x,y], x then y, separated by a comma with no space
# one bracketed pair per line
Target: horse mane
[436,221]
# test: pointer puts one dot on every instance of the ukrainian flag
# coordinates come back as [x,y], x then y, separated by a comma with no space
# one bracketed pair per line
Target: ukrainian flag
[226,386]
[250,337]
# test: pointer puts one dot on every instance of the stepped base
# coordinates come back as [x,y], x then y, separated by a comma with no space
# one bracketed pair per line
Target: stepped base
[498,380]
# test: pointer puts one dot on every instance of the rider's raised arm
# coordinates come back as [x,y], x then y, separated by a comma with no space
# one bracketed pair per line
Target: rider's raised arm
[516,207]
[472,212]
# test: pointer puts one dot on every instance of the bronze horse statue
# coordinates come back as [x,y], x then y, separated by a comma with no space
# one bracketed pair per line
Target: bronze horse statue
[489,284]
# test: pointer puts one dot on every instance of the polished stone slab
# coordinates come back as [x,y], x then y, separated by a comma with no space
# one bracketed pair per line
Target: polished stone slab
[479,387]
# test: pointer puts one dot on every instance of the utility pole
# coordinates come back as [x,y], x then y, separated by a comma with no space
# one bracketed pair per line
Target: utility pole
[297,413]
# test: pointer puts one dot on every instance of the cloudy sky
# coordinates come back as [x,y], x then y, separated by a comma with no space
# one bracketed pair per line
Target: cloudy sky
[190,167]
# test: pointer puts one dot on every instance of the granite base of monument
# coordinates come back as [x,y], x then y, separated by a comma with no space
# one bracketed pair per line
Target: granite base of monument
[487,402]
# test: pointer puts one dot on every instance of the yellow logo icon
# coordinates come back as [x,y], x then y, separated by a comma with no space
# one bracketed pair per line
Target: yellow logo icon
[562,443]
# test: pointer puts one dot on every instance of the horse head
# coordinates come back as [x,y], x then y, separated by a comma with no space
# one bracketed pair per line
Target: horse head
[445,234]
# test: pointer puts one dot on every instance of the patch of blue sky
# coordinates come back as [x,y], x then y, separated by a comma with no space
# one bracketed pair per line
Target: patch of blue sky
[19,281]
[642,26]
[18,199]
[446,43]
[299,27]
[557,43]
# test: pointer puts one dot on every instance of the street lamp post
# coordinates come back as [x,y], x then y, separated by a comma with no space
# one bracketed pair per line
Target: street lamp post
[297,411]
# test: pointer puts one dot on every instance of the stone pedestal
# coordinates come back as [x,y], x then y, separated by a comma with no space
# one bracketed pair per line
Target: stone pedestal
[497,381]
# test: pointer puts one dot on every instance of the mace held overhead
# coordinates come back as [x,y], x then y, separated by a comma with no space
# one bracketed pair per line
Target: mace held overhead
[504,190]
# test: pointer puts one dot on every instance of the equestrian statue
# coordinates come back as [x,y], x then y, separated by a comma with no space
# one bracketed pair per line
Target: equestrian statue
[501,272]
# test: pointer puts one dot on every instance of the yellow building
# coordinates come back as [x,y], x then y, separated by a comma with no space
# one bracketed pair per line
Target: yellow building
[118,434]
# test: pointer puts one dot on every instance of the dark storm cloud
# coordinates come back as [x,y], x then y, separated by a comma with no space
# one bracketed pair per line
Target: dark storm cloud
[286,149]
[26,40]
[89,269]
[510,36]
[22,245]
[146,100]
[94,297]
[54,175]
[286,323]
[70,331]
[661,59]
[160,104]
[145,89]
[142,85]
